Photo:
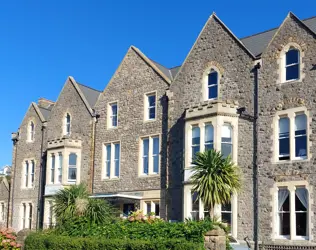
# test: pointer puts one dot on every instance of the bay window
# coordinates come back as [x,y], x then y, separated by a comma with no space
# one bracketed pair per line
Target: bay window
[72,167]
[209,137]
[227,141]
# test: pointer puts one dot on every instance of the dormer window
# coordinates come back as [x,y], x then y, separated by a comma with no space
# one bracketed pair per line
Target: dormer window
[67,124]
[31,131]
[292,64]
[212,84]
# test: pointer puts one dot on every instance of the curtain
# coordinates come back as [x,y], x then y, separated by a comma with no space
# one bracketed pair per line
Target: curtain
[302,195]
[282,195]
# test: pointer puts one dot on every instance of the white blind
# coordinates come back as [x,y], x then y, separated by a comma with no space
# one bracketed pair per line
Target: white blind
[227,131]
[300,122]
[284,125]
[209,134]
[195,132]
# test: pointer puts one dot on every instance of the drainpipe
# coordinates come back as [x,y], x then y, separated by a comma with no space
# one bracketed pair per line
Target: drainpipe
[41,186]
[15,144]
[254,119]
[93,143]
[255,156]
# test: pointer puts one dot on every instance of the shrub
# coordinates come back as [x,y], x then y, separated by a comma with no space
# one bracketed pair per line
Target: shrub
[40,241]
[8,240]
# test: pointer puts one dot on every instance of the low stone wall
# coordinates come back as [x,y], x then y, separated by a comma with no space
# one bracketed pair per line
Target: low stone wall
[215,240]
[21,236]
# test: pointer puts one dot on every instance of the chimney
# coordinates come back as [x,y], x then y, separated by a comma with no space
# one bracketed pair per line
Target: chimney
[44,103]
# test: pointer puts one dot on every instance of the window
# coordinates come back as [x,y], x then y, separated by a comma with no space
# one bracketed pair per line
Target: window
[113,115]
[284,138]
[292,64]
[227,214]
[150,155]
[112,160]
[300,136]
[296,208]
[31,131]
[209,137]
[26,176]
[2,212]
[151,207]
[52,169]
[195,214]
[72,167]
[50,214]
[23,215]
[67,124]
[212,84]
[60,168]
[195,141]
[227,144]
[292,139]
[30,215]
[150,106]
[29,172]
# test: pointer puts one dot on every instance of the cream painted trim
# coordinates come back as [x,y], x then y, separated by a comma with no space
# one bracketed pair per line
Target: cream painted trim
[64,124]
[109,114]
[112,162]
[27,213]
[143,206]
[28,130]
[290,113]
[150,150]
[47,206]
[146,114]
[291,186]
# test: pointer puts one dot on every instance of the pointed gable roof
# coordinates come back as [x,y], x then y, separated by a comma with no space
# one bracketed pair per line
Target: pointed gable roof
[259,42]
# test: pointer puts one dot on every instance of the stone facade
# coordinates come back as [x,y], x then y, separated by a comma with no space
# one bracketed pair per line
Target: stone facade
[4,201]
[181,103]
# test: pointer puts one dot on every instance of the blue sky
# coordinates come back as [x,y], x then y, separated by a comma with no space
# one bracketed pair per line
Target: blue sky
[43,42]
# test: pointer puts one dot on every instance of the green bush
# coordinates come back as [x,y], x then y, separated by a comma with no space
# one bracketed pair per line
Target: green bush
[191,230]
[40,241]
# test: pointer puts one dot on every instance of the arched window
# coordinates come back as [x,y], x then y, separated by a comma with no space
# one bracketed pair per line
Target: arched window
[31,131]
[212,84]
[67,124]
[292,64]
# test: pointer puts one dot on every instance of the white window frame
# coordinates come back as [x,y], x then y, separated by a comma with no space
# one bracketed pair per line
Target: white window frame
[2,211]
[152,204]
[72,167]
[283,66]
[31,131]
[291,114]
[112,161]
[206,86]
[147,107]
[291,186]
[28,176]
[150,155]
[53,168]
[26,209]
[110,115]
[67,124]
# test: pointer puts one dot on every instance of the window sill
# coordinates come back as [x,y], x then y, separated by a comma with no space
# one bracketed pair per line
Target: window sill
[112,128]
[291,81]
[296,239]
[292,161]
[148,175]
[150,120]
[111,179]
[27,188]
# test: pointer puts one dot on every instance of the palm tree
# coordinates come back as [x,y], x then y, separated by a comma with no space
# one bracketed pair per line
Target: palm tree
[74,202]
[214,178]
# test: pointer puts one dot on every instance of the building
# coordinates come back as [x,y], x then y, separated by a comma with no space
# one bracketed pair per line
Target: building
[133,143]
[6,171]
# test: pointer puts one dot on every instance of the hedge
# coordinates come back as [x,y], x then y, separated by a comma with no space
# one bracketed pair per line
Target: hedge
[41,241]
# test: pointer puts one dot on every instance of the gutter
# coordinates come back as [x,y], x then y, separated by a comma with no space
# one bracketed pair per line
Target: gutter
[15,144]
[93,143]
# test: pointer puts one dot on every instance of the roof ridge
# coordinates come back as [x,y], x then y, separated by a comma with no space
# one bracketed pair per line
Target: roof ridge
[262,32]
[88,87]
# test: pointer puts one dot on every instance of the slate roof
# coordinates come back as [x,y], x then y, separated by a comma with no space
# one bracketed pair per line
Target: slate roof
[258,42]
[169,72]
[45,112]
[90,94]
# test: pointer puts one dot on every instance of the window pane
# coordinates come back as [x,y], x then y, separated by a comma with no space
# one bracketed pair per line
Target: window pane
[155,145]
[212,78]
[152,100]
[60,168]
[292,72]
[117,160]
[195,206]
[227,218]
[284,222]
[292,56]
[152,113]
[195,141]
[148,206]
[212,92]
[114,109]
[209,137]
[108,160]
[301,224]
[73,159]
[227,207]
[300,135]
[145,155]
[226,149]
[155,154]
[157,209]
[226,145]
[301,199]
[72,174]
[284,140]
